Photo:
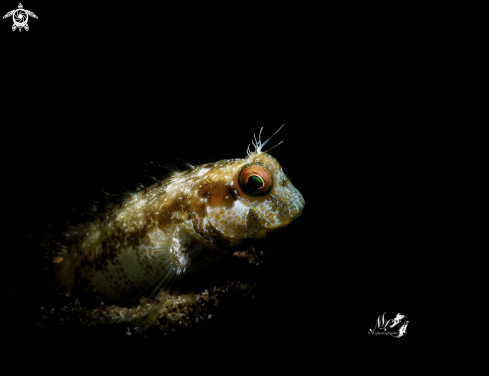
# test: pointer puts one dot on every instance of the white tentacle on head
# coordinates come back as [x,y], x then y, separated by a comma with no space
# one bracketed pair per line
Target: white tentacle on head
[259,145]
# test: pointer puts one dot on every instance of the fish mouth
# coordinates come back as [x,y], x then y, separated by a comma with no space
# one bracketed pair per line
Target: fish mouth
[298,214]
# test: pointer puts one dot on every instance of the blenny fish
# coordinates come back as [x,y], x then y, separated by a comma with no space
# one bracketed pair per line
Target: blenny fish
[180,224]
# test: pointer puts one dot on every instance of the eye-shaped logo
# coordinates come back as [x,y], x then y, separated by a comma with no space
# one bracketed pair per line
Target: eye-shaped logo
[20,17]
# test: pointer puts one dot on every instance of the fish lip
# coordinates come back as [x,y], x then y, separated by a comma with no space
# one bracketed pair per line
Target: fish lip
[298,214]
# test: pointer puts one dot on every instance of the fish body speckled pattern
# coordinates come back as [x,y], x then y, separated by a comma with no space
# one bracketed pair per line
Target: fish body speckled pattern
[181,224]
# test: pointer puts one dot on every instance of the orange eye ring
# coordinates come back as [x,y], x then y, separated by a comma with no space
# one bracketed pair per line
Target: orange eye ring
[255,180]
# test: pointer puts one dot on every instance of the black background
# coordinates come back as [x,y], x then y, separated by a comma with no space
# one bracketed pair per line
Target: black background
[92,90]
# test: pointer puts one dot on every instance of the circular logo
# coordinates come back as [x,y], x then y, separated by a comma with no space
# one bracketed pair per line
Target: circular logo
[20,17]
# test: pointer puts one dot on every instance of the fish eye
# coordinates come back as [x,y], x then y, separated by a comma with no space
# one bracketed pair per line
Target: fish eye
[255,180]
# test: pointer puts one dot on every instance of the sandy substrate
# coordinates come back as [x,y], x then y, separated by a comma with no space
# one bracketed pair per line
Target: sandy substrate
[219,305]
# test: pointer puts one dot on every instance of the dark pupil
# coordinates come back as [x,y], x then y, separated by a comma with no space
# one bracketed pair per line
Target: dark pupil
[254,182]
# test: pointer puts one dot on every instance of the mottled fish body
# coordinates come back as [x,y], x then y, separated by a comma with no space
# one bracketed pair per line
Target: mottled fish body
[180,224]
